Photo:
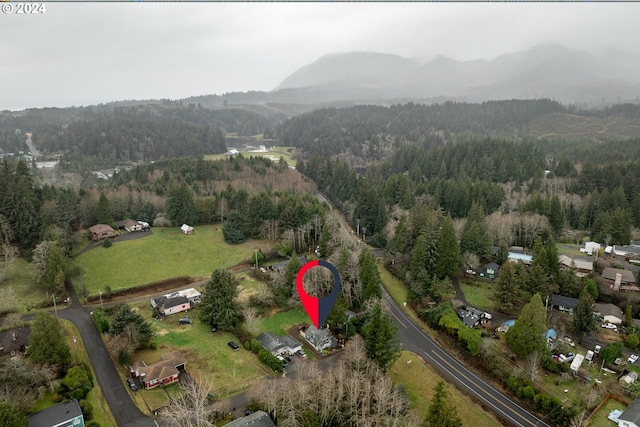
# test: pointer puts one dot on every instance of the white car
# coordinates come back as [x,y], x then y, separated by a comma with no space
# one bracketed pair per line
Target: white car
[569,341]
[632,358]
[610,326]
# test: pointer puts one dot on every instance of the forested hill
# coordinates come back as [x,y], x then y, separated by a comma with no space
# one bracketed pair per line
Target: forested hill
[134,133]
[372,132]
[369,131]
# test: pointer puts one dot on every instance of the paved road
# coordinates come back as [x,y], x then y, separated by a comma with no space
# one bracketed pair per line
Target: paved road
[34,151]
[113,388]
[457,373]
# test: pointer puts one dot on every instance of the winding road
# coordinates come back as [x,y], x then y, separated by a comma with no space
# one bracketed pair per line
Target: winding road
[125,412]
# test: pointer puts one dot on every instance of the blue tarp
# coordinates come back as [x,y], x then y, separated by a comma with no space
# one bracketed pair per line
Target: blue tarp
[509,323]
[551,333]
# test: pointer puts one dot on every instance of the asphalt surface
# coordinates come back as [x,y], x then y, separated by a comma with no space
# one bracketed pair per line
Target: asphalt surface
[455,372]
[113,388]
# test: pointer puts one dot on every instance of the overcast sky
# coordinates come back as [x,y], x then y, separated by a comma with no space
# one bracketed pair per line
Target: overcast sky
[82,54]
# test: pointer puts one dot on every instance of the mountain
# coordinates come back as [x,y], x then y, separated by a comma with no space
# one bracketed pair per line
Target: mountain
[547,71]
[357,68]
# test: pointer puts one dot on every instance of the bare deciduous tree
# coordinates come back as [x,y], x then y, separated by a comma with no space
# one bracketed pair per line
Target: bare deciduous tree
[192,408]
[8,258]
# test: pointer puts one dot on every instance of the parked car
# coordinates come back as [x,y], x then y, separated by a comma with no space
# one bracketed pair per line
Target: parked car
[597,349]
[233,345]
[610,326]
[569,341]
[632,358]
[566,357]
[132,384]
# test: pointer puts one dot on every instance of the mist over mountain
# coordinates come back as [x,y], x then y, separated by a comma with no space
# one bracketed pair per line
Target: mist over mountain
[550,71]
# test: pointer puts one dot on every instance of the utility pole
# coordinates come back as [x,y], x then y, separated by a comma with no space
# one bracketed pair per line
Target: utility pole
[100,292]
[255,250]
[75,348]
[55,307]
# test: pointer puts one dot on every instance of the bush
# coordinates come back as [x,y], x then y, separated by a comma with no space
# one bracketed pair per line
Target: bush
[107,243]
[87,409]
[632,341]
[92,424]
[124,358]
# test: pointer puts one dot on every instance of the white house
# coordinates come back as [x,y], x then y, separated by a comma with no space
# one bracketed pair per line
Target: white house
[171,305]
[611,313]
[319,339]
[186,229]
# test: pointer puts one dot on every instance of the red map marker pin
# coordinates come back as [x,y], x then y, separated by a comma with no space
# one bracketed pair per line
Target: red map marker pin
[318,309]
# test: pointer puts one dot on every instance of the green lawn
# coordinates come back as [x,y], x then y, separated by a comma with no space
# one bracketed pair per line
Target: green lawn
[164,254]
[274,154]
[419,380]
[19,291]
[395,287]
[478,293]
[600,417]
[208,355]
[280,322]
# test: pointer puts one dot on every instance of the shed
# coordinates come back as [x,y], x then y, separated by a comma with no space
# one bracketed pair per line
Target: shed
[186,229]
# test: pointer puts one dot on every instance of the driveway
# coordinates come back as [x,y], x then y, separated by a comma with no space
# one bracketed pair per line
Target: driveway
[125,412]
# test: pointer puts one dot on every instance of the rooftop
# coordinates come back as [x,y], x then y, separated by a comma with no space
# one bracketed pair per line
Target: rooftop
[56,415]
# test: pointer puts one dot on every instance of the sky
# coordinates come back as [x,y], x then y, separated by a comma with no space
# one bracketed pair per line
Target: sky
[88,53]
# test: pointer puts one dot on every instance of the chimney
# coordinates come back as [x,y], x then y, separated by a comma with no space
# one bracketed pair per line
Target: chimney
[616,284]
[14,336]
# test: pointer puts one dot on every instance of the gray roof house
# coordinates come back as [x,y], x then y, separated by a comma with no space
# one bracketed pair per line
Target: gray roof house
[319,339]
[611,313]
[278,345]
[257,419]
[63,415]
[631,416]
[563,303]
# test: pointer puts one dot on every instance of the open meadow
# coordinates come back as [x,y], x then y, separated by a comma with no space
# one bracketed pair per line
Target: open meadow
[419,379]
[164,254]
[19,292]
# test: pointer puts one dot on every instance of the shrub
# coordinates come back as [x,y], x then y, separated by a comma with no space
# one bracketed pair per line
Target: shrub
[87,409]
[107,243]
[124,358]
[632,341]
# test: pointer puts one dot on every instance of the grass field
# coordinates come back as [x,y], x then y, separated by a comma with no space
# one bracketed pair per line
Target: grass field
[419,380]
[279,323]
[478,294]
[164,254]
[274,153]
[19,293]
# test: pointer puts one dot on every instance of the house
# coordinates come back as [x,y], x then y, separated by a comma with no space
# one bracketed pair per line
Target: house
[582,267]
[611,313]
[231,152]
[129,225]
[489,271]
[590,248]
[319,339]
[256,419]
[164,372]
[101,231]
[631,416]
[186,229]
[472,317]
[278,345]
[66,414]
[516,256]
[563,303]
[619,279]
[192,295]
[628,251]
[14,341]
[171,305]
